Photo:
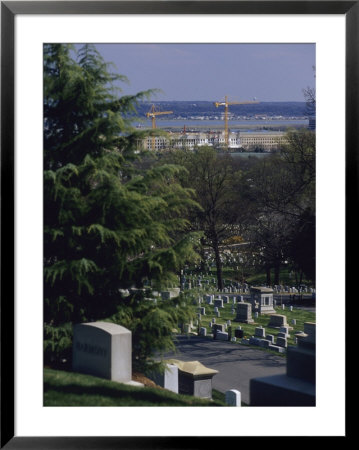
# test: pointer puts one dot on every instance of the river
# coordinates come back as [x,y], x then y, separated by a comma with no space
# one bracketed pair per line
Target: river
[218,124]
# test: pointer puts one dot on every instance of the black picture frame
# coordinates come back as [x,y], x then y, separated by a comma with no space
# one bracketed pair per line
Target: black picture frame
[9,9]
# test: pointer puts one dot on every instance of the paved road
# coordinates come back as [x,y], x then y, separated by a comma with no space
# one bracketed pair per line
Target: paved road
[236,364]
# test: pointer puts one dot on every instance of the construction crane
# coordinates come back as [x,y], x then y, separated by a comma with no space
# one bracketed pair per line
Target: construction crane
[153,113]
[226,103]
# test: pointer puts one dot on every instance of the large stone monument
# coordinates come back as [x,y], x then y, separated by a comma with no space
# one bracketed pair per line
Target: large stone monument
[244,313]
[297,387]
[103,349]
[262,300]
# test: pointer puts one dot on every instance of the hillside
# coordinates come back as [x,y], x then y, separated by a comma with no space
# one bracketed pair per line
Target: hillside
[73,389]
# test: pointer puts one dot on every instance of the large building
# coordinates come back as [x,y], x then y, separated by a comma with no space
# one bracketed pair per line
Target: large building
[191,140]
[248,141]
[265,140]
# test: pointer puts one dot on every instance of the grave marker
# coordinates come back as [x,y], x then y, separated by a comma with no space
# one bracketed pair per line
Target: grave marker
[104,350]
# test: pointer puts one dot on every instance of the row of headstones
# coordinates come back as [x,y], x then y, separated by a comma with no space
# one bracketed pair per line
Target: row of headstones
[293,290]
[232,286]
[260,332]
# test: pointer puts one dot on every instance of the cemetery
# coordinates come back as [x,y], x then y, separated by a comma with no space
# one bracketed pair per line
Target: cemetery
[144,248]
[103,349]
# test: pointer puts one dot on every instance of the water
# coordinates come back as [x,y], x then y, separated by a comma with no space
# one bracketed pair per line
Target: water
[193,124]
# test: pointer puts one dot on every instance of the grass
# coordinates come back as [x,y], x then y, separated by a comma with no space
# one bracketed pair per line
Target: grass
[300,315]
[73,389]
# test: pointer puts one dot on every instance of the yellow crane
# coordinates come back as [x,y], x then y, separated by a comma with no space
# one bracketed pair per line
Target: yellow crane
[226,103]
[153,113]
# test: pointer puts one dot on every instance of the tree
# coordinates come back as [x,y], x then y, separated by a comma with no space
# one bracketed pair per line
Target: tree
[106,227]
[212,177]
[310,98]
[282,189]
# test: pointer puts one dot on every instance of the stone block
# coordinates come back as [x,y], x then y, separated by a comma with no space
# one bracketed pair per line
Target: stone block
[260,332]
[280,390]
[276,348]
[218,303]
[233,398]
[281,341]
[244,313]
[277,321]
[264,343]
[253,340]
[104,350]
[194,378]
[301,363]
[168,379]
[222,336]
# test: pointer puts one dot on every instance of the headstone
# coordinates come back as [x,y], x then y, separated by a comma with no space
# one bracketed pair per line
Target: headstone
[270,338]
[225,298]
[168,379]
[222,336]
[215,309]
[283,306]
[238,333]
[244,313]
[218,314]
[218,327]
[104,350]
[276,348]
[202,311]
[218,303]
[254,340]
[291,308]
[209,299]
[281,341]
[285,330]
[203,331]
[194,378]
[260,332]
[277,321]
[256,315]
[233,398]
[264,343]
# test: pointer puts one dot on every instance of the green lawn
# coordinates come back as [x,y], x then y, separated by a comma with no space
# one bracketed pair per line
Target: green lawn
[73,389]
[300,315]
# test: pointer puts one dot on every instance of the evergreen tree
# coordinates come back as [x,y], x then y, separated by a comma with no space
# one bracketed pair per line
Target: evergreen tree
[106,227]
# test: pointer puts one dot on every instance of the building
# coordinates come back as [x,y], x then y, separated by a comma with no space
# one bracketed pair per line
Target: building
[190,140]
[266,140]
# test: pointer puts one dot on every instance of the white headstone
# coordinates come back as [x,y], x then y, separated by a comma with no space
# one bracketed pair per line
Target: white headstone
[233,398]
[103,349]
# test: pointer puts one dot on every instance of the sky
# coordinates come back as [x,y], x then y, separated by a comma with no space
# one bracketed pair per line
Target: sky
[269,72]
